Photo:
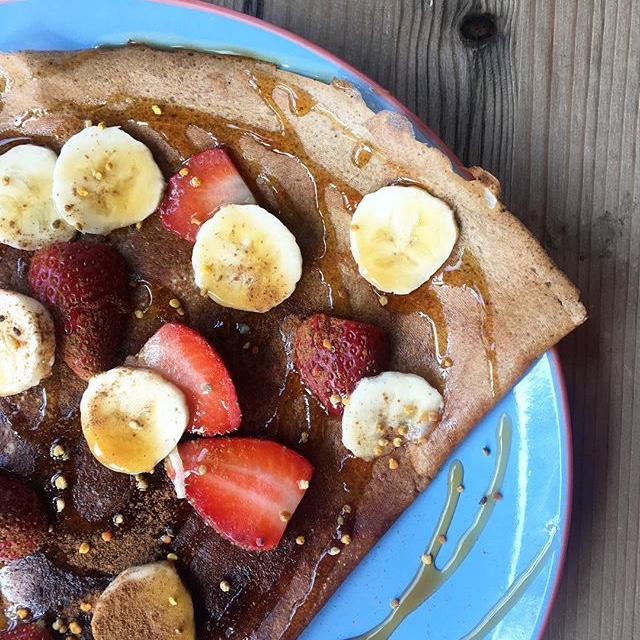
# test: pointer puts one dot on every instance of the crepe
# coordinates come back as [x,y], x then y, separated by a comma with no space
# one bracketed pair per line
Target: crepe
[311,151]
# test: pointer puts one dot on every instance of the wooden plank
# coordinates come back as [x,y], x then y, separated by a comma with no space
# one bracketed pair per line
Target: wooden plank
[550,104]
[237,5]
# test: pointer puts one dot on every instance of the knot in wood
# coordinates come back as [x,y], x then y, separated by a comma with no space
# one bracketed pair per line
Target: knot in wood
[477,29]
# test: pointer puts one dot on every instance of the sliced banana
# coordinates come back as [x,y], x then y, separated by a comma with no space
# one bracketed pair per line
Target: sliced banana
[104,179]
[27,343]
[400,236]
[132,418]
[386,411]
[147,602]
[246,259]
[28,218]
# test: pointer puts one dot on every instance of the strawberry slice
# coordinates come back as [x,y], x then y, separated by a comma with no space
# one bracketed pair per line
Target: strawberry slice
[206,181]
[23,524]
[333,354]
[27,632]
[87,288]
[184,357]
[246,489]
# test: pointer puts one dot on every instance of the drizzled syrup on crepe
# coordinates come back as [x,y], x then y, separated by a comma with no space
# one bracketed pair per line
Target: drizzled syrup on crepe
[175,136]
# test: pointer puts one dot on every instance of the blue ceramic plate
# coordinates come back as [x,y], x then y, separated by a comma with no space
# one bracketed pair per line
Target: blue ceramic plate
[505,584]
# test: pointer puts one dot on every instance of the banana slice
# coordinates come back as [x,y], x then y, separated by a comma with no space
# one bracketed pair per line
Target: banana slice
[132,418]
[104,179]
[27,343]
[400,236]
[28,218]
[388,410]
[246,259]
[145,603]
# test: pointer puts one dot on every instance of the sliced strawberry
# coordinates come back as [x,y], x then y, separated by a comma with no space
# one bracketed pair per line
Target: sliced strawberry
[184,357]
[246,489]
[332,355]
[87,288]
[23,524]
[206,181]
[27,632]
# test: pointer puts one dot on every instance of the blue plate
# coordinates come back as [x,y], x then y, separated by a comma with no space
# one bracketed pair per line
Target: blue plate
[505,584]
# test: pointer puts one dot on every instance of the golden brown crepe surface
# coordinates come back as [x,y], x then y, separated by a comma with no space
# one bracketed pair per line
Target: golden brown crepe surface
[311,151]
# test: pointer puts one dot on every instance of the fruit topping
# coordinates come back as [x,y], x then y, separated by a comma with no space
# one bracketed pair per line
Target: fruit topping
[27,343]
[388,410]
[132,418]
[246,489]
[246,259]
[400,236]
[147,602]
[23,524]
[28,217]
[29,631]
[87,288]
[205,182]
[333,354]
[184,357]
[104,179]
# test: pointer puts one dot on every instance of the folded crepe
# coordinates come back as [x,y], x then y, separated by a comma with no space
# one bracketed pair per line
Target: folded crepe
[311,151]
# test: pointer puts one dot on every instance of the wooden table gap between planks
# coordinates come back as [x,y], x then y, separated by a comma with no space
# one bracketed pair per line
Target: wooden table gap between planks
[550,104]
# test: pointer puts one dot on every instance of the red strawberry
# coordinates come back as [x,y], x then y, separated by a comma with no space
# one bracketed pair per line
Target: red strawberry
[87,287]
[246,489]
[184,357]
[206,181]
[332,355]
[26,632]
[23,523]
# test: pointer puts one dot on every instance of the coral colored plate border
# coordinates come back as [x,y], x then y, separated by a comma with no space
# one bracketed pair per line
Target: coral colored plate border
[547,370]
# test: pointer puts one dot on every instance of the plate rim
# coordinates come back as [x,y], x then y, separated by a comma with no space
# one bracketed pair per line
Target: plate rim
[558,376]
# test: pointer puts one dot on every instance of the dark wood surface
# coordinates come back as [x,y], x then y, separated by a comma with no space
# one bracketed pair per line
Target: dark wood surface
[544,94]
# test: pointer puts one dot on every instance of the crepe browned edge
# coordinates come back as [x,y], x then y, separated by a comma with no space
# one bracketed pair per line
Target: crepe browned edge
[514,287]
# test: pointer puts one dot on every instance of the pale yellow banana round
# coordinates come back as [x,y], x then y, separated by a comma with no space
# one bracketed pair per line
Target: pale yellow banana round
[132,418]
[105,179]
[245,258]
[400,236]
[29,219]
[389,410]
[27,343]
[144,603]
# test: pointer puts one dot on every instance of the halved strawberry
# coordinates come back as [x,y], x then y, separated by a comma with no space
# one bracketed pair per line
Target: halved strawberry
[182,356]
[333,354]
[23,523]
[87,288]
[246,489]
[27,632]
[206,181]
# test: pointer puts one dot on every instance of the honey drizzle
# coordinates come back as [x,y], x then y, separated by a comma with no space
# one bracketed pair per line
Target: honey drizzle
[301,103]
[361,154]
[429,576]
[426,303]
[466,273]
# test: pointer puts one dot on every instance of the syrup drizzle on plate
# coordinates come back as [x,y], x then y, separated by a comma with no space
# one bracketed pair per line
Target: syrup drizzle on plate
[430,576]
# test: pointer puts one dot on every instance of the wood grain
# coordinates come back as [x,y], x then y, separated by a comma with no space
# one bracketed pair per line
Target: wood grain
[550,105]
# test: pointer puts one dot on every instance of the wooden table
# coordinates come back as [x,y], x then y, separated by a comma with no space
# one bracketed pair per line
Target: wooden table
[544,94]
